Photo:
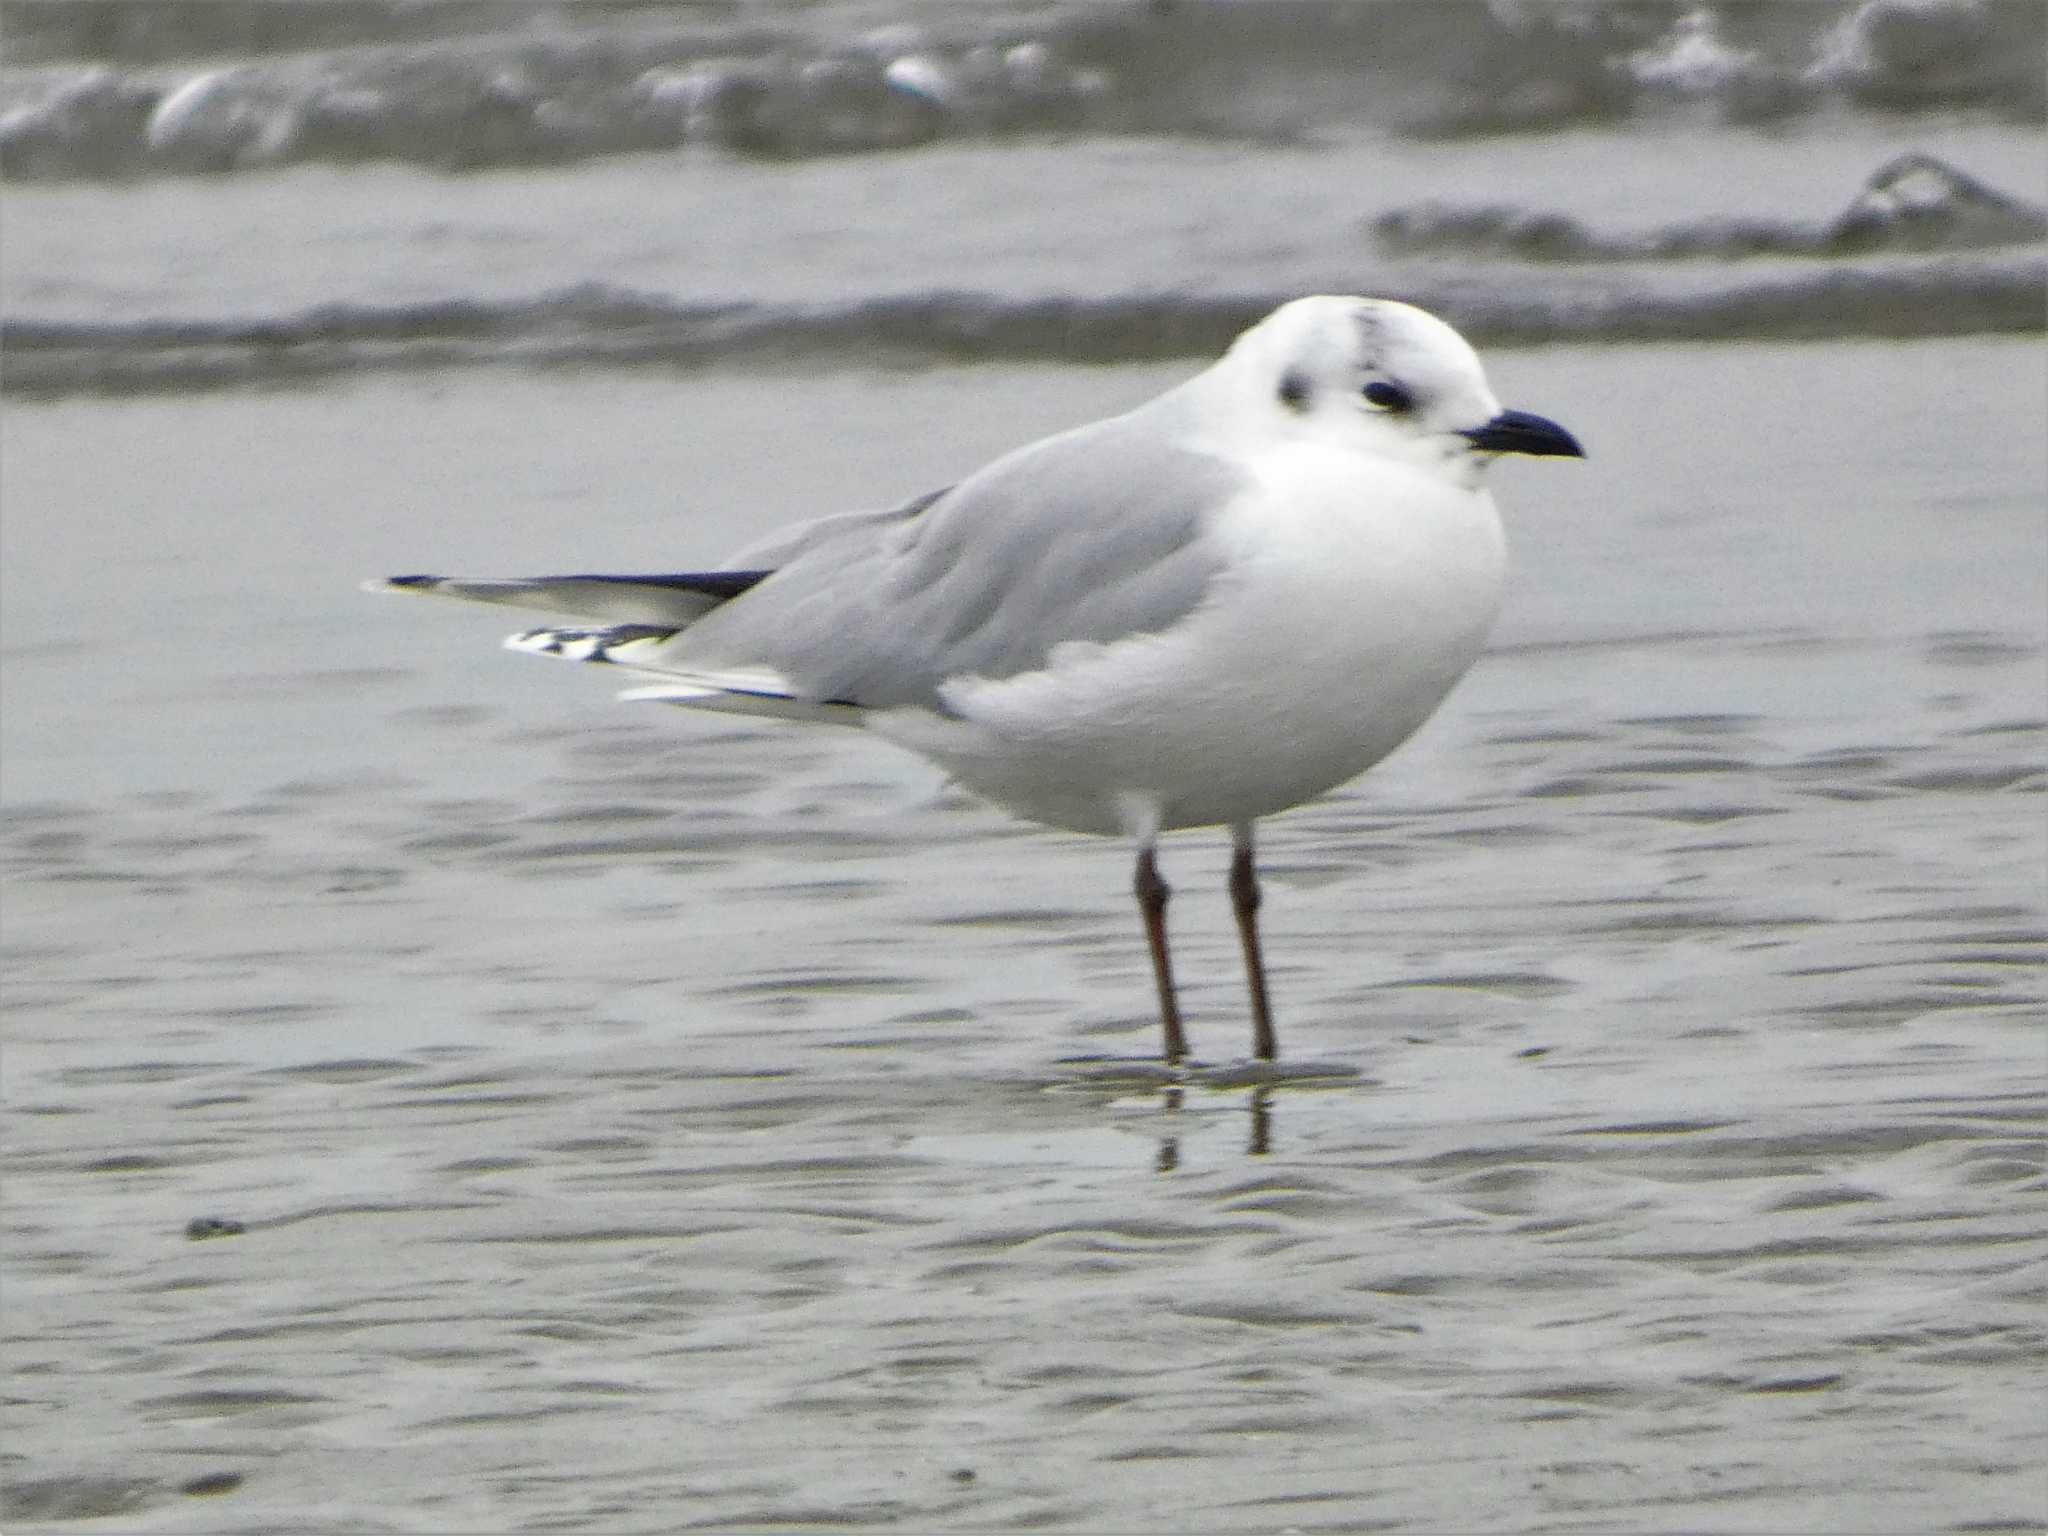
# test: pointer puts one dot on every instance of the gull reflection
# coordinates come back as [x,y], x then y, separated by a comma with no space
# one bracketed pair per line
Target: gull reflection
[1258,1106]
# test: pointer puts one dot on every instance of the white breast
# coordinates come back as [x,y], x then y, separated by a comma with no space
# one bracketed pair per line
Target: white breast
[1339,623]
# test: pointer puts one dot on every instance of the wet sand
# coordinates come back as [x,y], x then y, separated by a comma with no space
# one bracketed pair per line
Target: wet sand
[637,1122]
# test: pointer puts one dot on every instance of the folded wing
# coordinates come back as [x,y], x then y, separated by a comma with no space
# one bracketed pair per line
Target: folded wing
[1094,536]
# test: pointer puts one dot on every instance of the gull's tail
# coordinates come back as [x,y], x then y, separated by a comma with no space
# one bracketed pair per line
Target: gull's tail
[638,616]
[671,600]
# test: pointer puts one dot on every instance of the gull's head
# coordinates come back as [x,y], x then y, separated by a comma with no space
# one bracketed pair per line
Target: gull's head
[1382,376]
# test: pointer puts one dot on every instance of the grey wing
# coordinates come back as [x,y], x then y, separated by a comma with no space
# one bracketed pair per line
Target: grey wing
[844,530]
[1095,535]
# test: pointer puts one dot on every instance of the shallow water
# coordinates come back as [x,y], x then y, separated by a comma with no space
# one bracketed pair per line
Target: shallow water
[640,1122]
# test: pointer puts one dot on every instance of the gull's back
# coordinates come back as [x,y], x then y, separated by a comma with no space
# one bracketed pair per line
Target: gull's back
[1092,536]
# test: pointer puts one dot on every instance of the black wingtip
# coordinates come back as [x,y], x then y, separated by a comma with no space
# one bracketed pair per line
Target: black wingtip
[410,581]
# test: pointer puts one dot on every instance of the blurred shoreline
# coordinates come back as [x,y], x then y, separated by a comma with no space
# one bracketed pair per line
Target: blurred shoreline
[141,88]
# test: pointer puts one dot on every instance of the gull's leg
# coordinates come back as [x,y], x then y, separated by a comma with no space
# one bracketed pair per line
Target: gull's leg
[1152,893]
[1244,901]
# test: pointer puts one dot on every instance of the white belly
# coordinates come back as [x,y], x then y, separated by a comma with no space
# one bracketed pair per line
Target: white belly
[1335,630]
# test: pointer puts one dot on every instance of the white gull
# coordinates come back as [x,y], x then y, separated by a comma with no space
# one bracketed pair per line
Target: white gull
[1216,606]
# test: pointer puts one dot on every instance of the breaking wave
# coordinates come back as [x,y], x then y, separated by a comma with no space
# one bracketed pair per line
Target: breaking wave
[133,88]
[1915,203]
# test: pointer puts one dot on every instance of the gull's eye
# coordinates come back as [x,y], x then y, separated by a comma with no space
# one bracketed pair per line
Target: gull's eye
[1388,397]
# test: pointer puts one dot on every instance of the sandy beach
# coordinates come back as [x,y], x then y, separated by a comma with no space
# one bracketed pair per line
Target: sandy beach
[628,1121]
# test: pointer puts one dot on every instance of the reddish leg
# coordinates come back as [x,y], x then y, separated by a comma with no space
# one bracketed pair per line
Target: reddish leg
[1152,894]
[1244,901]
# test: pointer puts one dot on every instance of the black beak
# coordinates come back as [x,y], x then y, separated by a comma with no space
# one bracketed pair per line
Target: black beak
[1524,432]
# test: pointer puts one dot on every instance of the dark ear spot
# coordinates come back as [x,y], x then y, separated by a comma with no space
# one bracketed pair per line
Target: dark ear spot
[1294,391]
